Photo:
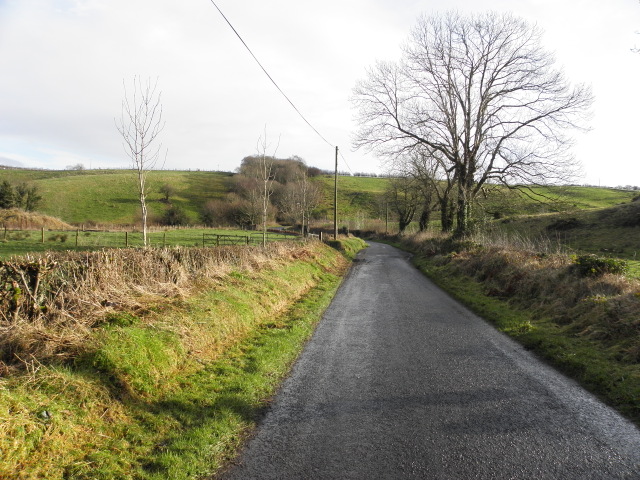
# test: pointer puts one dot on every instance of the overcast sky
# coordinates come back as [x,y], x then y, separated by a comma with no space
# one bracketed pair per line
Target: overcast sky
[63,62]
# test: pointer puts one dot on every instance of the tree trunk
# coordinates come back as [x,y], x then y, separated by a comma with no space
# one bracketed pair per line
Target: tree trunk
[143,206]
[446,214]
[425,216]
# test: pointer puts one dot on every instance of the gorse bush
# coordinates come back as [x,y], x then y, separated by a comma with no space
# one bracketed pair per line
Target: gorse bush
[594,266]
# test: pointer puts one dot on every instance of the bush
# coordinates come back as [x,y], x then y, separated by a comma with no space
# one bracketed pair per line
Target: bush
[563,224]
[58,237]
[594,266]
[174,216]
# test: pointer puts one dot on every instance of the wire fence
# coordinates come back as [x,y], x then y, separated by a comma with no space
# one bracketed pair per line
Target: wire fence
[19,242]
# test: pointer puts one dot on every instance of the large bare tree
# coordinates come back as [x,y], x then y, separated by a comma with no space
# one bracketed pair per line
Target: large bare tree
[140,125]
[481,98]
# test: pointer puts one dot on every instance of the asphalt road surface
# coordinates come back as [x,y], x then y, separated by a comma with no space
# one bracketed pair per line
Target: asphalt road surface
[401,381]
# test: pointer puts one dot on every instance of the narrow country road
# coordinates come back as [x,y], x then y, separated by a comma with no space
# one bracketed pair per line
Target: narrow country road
[400,381]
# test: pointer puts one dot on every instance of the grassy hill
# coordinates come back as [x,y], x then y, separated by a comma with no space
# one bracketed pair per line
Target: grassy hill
[109,196]
[614,230]
[503,202]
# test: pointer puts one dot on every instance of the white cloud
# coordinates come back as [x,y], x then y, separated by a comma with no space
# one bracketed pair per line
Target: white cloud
[64,63]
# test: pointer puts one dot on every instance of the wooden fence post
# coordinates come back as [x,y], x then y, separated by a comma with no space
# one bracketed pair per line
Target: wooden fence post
[126,239]
[77,236]
[203,240]
[164,239]
[42,234]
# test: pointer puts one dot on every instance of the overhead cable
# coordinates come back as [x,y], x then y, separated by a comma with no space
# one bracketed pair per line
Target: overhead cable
[269,76]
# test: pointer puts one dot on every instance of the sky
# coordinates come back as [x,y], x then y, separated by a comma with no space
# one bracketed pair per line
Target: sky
[64,64]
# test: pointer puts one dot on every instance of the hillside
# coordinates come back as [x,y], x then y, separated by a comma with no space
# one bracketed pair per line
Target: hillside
[614,230]
[109,196]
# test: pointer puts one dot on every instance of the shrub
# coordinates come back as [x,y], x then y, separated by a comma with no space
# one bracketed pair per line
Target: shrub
[594,266]
[58,237]
[563,224]
[175,216]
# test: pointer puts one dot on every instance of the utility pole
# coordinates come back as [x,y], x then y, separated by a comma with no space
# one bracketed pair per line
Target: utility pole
[335,200]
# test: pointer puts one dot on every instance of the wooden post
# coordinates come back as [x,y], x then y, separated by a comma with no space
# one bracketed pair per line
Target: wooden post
[126,238]
[248,239]
[203,240]
[335,200]
[217,240]
[77,236]
[164,239]
[321,235]
[42,234]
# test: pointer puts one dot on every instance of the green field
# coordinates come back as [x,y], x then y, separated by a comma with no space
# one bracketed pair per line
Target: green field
[355,194]
[109,196]
[22,242]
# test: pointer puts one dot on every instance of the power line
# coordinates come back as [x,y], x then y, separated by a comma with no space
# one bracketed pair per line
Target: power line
[269,76]
[345,162]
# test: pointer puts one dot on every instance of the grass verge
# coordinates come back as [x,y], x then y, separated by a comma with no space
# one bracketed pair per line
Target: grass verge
[173,393]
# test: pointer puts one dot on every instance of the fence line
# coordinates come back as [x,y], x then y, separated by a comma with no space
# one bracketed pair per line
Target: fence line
[17,240]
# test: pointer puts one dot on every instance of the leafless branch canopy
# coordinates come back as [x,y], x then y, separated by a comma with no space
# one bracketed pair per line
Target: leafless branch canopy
[141,122]
[140,125]
[480,96]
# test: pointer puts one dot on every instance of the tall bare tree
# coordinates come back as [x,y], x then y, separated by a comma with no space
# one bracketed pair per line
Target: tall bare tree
[140,125]
[265,176]
[481,97]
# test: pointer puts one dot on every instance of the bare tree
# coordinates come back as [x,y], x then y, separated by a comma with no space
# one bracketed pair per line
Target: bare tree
[299,196]
[403,197]
[436,179]
[140,125]
[481,97]
[265,178]
[310,197]
[167,191]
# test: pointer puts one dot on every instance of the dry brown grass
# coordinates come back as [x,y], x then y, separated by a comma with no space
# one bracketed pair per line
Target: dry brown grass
[539,277]
[49,303]
[14,218]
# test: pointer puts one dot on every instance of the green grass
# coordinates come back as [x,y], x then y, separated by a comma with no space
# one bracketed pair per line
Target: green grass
[634,269]
[355,195]
[502,202]
[148,400]
[600,231]
[23,242]
[109,196]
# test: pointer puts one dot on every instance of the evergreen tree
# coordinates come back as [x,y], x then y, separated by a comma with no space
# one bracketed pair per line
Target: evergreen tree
[7,195]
